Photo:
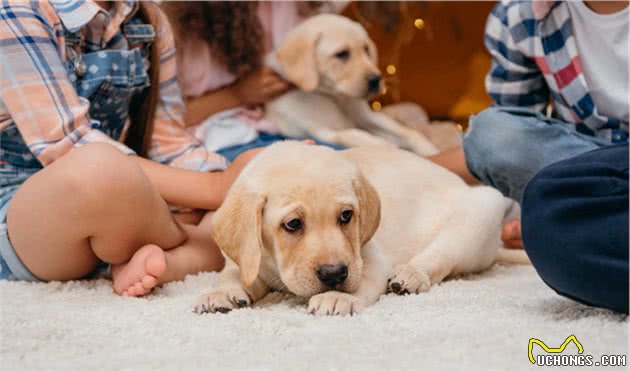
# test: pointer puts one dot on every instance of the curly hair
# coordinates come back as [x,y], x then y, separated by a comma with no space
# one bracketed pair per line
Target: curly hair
[231,29]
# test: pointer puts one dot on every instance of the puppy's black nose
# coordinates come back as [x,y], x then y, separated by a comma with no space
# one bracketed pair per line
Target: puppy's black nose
[332,275]
[374,83]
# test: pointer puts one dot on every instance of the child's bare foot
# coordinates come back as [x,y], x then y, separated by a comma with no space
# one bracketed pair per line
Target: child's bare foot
[511,234]
[139,275]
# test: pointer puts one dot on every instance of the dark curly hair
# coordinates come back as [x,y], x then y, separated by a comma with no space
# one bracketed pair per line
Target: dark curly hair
[231,29]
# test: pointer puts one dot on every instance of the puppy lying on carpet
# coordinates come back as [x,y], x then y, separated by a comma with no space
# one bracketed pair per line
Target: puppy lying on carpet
[344,227]
[332,61]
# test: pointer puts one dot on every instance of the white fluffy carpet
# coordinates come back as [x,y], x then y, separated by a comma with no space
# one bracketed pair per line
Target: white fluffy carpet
[480,322]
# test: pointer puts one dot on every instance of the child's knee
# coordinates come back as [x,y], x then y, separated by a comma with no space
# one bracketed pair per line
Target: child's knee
[100,171]
[494,142]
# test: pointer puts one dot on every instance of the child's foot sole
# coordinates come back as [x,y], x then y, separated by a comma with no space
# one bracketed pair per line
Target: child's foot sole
[140,275]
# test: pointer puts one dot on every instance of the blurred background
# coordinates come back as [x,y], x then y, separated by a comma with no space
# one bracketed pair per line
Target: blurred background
[431,53]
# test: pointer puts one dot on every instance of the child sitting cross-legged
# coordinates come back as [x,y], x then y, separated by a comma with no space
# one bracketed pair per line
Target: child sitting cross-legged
[93,149]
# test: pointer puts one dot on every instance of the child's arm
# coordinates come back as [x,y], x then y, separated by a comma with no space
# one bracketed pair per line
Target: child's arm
[257,87]
[201,107]
[194,177]
[35,88]
[61,121]
[515,78]
[194,189]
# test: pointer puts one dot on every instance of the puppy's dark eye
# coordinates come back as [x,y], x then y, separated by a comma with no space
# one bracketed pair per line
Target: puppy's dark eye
[343,55]
[292,225]
[345,217]
[367,50]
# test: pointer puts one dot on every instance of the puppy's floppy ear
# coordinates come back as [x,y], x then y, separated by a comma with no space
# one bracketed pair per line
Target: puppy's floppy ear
[297,57]
[369,208]
[237,230]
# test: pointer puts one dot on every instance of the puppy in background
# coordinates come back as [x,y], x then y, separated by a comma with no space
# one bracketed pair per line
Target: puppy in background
[333,63]
[343,227]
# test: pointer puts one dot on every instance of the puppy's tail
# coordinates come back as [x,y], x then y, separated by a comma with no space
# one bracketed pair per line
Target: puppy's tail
[512,256]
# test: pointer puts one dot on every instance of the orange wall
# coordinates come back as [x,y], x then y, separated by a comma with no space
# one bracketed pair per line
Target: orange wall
[442,63]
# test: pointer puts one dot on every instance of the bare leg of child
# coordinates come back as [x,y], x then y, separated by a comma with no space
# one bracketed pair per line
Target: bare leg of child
[94,203]
[199,253]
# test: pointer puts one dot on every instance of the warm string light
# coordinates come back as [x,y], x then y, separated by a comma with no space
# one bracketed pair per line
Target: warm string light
[391,70]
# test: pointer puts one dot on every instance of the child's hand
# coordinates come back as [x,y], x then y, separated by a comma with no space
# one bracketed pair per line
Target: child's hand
[231,173]
[260,86]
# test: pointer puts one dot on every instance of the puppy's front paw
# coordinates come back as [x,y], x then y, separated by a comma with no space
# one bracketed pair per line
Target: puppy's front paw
[222,301]
[408,280]
[334,303]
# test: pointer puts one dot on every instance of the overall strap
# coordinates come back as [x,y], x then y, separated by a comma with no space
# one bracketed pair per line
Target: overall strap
[143,105]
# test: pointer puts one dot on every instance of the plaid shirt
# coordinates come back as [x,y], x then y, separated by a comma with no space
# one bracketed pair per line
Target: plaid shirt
[37,95]
[535,59]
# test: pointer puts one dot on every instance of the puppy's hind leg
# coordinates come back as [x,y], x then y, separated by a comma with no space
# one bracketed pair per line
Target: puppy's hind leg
[467,242]
[427,268]
[456,250]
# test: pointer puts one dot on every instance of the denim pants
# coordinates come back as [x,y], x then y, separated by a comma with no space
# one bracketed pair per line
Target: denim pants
[263,140]
[506,146]
[575,227]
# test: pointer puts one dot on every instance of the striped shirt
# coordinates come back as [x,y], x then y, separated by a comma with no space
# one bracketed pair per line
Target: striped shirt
[535,61]
[37,95]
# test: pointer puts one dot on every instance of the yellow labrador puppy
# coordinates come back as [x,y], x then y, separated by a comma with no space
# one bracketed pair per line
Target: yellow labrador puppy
[333,63]
[341,228]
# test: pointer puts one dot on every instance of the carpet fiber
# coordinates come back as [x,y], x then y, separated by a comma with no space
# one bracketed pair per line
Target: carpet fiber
[480,322]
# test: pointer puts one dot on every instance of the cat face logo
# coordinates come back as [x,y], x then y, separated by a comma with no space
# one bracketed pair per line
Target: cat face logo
[559,349]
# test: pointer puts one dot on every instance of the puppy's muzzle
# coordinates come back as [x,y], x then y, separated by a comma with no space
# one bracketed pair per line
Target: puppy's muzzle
[332,275]
[374,84]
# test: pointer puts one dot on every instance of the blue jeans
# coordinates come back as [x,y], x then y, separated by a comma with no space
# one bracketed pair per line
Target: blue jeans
[575,227]
[11,267]
[263,140]
[507,146]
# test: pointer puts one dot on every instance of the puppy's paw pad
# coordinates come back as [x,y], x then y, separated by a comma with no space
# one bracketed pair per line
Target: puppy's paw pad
[407,280]
[221,301]
[334,303]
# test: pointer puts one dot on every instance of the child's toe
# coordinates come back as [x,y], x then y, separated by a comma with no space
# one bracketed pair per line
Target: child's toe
[131,291]
[149,282]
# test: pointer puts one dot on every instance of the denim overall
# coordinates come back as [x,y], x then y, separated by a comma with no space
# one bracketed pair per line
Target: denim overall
[108,79]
